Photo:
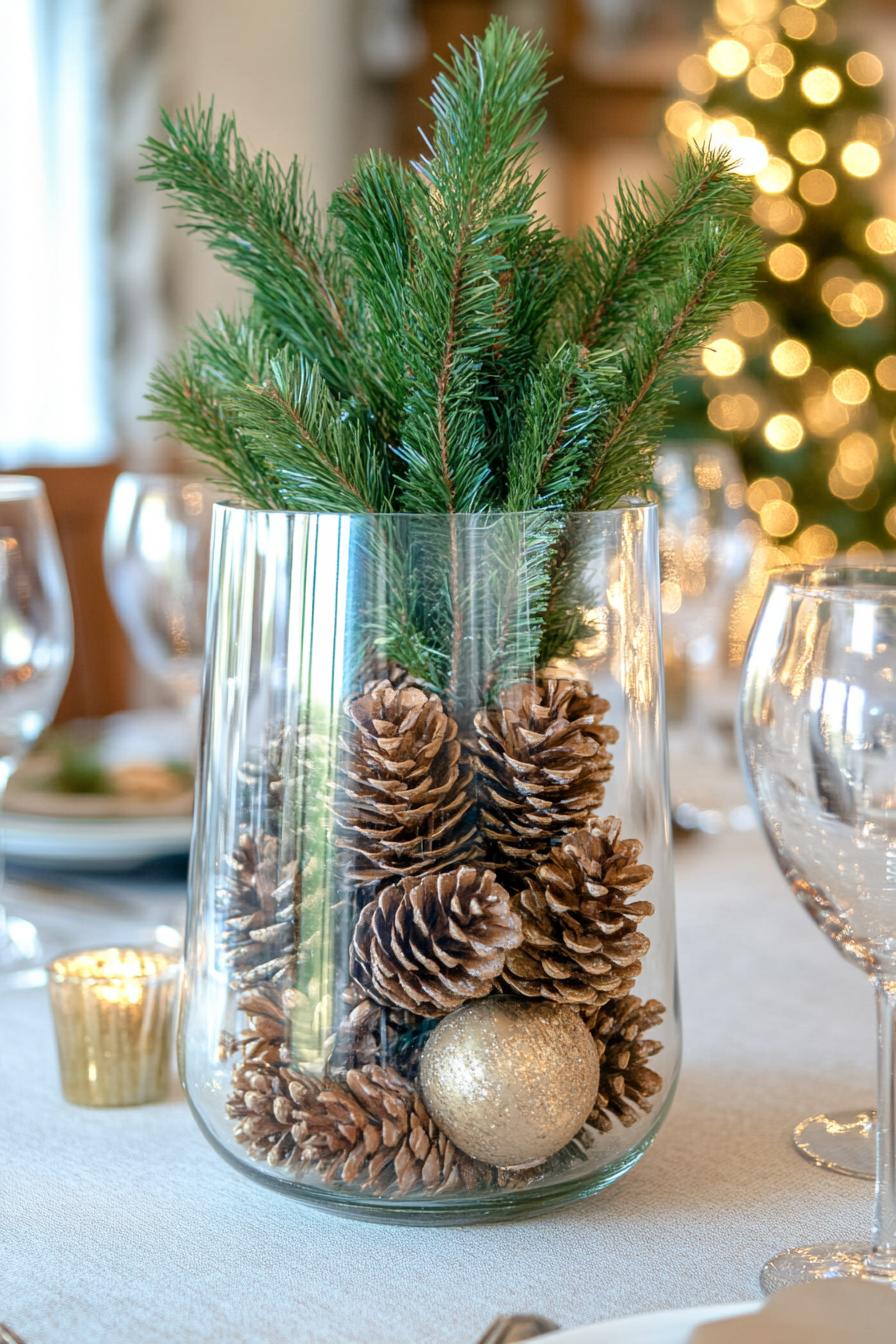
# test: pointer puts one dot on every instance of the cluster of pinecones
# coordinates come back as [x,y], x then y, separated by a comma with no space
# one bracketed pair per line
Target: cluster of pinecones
[483,867]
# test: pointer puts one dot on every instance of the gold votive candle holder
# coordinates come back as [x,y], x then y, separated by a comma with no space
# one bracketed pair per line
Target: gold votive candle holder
[113,1009]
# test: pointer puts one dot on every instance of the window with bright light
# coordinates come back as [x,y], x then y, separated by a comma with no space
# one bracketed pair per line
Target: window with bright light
[53,308]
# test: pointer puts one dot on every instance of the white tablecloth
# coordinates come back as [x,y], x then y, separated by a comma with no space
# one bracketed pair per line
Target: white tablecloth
[125,1226]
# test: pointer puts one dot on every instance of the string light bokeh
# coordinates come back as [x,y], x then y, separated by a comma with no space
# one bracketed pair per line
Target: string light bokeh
[803,378]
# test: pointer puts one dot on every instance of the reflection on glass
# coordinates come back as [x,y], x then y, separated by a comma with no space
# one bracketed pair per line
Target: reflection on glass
[819,742]
[35,658]
[706,540]
[155,553]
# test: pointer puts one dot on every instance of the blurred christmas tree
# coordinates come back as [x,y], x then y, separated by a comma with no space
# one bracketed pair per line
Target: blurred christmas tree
[804,378]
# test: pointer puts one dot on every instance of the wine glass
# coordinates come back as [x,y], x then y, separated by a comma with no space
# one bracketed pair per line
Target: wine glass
[706,540]
[818,735]
[155,556]
[35,660]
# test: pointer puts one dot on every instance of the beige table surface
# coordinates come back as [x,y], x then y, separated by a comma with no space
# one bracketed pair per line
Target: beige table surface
[124,1226]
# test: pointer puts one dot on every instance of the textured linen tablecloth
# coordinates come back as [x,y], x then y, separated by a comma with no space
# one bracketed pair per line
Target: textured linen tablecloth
[126,1226]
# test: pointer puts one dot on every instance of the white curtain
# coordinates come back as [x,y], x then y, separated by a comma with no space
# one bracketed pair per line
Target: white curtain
[54,404]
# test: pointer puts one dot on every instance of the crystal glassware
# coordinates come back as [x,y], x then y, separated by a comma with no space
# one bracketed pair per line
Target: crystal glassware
[35,660]
[155,555]
[818,727]
[404,749]
[706,540]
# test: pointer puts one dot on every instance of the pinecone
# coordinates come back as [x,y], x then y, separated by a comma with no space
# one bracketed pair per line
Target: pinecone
[259,900]
[405,800]
[428,945]
[267,1103]
[268,1008]
[581,943]
[543,762]
[374,1129]
[626,1083]
[261,778]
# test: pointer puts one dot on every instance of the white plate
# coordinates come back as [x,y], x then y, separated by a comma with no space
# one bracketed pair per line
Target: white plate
[657,1327]
[114,844]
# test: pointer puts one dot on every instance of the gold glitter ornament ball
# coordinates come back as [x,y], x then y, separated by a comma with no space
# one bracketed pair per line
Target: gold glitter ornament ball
[510,1081]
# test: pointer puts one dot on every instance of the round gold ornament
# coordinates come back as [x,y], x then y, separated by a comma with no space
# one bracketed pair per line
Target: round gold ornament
[510,1081]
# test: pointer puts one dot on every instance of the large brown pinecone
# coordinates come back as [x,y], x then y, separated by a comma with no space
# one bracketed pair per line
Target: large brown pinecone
[581,943]
[428,945]
[406,797]
[259,900]
[370,1033]
[626,1083]
[262,777]
[544,759]
[372,1128]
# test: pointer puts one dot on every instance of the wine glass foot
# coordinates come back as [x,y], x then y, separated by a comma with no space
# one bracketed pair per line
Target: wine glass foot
[842,1141]
[21,954]
[834,1260]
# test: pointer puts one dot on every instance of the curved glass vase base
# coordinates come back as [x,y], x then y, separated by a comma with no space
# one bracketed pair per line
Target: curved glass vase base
[828,1260]
[454,1211]
[842,1141]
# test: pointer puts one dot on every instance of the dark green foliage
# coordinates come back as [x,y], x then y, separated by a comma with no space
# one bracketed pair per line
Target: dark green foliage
[433,346]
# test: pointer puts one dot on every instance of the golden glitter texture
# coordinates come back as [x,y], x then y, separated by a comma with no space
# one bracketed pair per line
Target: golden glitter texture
[510,1082]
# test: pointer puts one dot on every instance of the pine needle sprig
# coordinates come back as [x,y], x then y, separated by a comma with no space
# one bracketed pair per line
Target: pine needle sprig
[256,217]
[321,454]
[717,272]
[376,211]
[487,108]
[635,248]
[188,394]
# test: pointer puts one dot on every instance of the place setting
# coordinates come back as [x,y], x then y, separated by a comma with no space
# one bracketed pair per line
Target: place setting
[505,555]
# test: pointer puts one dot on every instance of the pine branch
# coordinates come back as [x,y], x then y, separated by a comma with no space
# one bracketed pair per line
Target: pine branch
[188,395]
[376,211]
[717,272]
[256,218]
[321,456]
[487,107]
[618,266]
[564,410]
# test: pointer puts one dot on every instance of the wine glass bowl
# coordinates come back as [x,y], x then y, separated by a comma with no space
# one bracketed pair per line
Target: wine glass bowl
[155,556]
[35,657]
[818,734]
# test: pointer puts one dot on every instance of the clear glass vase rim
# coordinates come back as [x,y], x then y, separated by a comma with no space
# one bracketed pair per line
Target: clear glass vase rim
[644,506]
[838,582]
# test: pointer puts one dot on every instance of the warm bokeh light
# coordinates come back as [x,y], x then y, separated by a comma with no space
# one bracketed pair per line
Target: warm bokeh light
[775,56]
[840,487]
[783,432]
[880,235]
[807,146]
[696,75]
[788,262]
[761,490]
[817,542]
[776,176]
[778,213]
[723,358]
[857,459]
[860,159]
[824,414]
[851,386]
[890,521]
[779,518]
[790,358]
[848,310]
[798,23]
[864,553]
[871,296]
[749,319]
[817,187]
[821,85]
[865,68]
[765,83]
[686,119]
[729,58]
[885,372]
[733,410]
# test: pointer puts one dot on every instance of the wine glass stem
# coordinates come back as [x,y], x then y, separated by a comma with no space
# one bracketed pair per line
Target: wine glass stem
[883,1252]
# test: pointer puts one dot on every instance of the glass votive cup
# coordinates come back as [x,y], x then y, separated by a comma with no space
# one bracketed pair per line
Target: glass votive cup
[113,1010]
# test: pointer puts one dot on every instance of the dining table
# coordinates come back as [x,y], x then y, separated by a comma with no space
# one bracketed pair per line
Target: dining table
[124,1224]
